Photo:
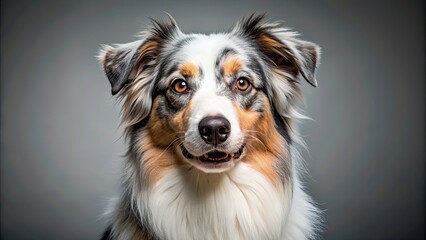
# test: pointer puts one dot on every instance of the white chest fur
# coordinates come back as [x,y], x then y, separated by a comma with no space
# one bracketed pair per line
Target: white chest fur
[239,204]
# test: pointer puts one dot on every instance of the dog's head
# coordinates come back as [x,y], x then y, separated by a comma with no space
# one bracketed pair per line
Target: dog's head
[211,100]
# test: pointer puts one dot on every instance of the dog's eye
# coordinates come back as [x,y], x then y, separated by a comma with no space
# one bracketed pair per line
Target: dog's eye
[242,84]
[180,86]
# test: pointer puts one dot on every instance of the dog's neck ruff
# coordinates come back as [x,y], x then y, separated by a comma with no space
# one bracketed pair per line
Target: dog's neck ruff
[238,204]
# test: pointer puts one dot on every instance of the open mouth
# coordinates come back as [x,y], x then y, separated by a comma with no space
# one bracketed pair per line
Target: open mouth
[215,156]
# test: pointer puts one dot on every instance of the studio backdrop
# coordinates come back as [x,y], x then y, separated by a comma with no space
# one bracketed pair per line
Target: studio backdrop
[62,148]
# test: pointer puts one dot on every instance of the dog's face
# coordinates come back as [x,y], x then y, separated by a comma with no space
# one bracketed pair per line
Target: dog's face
[212,100]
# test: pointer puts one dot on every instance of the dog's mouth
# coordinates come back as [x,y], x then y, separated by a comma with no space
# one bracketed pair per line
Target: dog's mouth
[215,156]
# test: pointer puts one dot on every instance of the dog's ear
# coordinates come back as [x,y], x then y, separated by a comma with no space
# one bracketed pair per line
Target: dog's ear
[132,69]
[281,47]
[118,63]
[307,57]
[123,63]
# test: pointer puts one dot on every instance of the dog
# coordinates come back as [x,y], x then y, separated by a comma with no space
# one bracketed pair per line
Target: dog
[210,122]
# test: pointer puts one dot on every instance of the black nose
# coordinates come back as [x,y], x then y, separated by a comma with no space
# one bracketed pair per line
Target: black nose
[214,129]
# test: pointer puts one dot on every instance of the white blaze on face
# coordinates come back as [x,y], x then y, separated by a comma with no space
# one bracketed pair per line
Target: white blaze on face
[204,52]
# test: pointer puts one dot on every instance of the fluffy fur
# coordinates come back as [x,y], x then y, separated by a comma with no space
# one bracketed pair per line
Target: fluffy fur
[174,186]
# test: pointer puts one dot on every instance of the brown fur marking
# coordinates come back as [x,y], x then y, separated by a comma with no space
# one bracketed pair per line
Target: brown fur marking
[156,161]
[276,51]
[189,70]
[160,141]
[266,40]
[232,65]
[262,138]
[149,47]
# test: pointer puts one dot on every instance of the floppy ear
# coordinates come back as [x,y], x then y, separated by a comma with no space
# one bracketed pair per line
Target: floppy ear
[123,63]
[131,69]
[281,47]
[118,63]
[307,57]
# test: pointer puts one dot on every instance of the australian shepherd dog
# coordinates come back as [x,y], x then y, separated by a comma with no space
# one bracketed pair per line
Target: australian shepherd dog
[210,126]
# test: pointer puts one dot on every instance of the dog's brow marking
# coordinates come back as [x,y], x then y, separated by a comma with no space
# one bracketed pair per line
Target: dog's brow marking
[232,65]
[189,70]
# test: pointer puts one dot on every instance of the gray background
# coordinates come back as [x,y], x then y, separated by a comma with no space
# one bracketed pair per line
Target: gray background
[61,146]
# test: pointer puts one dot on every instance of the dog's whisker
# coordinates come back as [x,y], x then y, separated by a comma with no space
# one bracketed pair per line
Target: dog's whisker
[258,140]
[274,144]
[170,145]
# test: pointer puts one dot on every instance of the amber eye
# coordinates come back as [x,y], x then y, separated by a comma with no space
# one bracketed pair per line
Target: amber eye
[180,86]
[242,84]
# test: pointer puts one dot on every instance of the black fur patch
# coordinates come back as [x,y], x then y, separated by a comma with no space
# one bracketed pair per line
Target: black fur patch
[282,127]
[107,234]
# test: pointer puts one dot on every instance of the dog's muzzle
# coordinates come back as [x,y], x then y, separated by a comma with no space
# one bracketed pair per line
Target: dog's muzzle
[214,130]
[214,148]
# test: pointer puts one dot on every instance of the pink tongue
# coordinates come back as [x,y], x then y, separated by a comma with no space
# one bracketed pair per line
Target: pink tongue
[217,155]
